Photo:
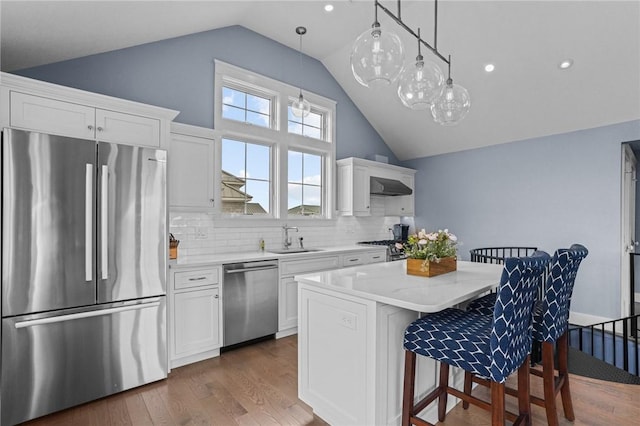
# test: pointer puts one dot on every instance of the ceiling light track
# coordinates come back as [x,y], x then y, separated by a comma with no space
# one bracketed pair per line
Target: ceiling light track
[377,59]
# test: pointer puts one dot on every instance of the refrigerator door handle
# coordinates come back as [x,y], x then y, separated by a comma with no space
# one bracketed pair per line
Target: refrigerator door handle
[89,314]
[104,222]
[88,223]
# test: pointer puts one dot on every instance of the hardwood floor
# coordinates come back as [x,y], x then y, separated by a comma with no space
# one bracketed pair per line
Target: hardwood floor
[257,385]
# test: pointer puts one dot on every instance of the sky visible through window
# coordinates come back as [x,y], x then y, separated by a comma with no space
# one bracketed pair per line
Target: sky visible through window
[245,107]
[304,183]
[311,125]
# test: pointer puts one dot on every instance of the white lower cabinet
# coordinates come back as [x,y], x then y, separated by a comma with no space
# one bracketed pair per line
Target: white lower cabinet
[288,289]
[195,320]
[351,360]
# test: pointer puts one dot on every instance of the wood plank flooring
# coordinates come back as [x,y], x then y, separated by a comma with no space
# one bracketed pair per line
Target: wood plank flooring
[257,385]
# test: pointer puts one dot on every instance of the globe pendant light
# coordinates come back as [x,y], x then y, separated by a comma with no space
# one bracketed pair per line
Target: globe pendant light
[300,107]
[453,105]
[377,57]
[421,83]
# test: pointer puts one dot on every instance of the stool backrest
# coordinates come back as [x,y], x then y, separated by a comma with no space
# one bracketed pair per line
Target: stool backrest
[512,316]
[559,288]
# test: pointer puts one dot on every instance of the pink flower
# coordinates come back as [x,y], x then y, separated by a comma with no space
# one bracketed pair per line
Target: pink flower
[399,246]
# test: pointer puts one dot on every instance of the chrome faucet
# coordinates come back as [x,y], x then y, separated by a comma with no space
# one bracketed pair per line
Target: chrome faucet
[286,243]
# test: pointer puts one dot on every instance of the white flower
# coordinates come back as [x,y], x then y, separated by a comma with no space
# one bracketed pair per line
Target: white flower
[422,242]
[422,234]
[399,246]
[453,237]
[432,236]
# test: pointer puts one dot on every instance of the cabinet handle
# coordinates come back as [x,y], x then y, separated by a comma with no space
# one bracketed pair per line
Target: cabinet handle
[216,296]
[100,129]
[90,127]
[376,257]
[353,260]
[211,200]
[197,279]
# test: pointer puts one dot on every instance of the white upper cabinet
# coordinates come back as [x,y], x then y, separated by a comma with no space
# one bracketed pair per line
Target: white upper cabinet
[48,108]
[52,116]
[354,197]
[191,163]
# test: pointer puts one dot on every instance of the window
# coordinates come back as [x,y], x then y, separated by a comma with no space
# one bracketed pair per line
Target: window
[312,125]
[304,184]
[272,164]
[246,107]
[246,183]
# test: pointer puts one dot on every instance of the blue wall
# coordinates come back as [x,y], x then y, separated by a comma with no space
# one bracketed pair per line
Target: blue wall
[179,74]
[547,192]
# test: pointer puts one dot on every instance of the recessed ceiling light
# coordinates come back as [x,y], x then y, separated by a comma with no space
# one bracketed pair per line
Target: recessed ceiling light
[565,64]
[328,7]
[489,67]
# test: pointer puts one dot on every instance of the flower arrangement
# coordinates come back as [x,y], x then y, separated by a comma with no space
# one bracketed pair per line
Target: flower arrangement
[431,246]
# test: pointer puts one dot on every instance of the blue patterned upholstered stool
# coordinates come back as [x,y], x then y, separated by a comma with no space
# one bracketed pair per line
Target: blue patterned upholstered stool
[490,347]
[550,328]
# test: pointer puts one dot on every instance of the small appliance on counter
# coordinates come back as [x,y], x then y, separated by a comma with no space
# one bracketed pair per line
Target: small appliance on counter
[400,232]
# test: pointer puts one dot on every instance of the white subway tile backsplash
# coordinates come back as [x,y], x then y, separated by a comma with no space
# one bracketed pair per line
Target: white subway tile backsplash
[199,234]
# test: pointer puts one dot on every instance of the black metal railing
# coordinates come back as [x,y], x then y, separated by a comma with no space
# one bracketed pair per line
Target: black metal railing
[614,342]
[498,254]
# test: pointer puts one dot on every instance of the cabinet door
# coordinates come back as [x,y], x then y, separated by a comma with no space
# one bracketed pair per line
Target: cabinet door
[52,116]
[116,127]
[191,172]
[196,321]
[353,191]
[288,304]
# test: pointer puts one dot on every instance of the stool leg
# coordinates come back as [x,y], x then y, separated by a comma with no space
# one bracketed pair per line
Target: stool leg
[467,388]
[497,404]
[524,400]
[548,383]
[409,387]
[444,383]
[563,370]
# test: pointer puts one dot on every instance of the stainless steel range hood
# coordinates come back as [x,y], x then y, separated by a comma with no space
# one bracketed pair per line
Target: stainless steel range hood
[390,187]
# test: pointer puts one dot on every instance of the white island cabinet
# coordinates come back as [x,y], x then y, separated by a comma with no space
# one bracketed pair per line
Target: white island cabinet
[350,335]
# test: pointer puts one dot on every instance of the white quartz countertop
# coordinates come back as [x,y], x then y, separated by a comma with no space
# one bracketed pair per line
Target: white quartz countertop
[191,261]
[390,284]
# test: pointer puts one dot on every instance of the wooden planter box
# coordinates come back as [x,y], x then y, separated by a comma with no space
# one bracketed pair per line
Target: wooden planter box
[431,269]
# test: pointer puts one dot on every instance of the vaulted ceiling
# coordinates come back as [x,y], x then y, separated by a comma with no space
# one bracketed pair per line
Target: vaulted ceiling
[526,96]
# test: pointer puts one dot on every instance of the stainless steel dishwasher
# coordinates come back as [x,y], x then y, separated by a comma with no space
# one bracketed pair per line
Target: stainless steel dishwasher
[250,301]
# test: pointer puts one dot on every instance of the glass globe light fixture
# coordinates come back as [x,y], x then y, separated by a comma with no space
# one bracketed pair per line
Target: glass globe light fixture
[420,84]
[301,107]
[452,106]
[377,57]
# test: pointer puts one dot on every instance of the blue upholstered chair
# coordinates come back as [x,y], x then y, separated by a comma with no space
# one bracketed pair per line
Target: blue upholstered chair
[490,347]
[550,328]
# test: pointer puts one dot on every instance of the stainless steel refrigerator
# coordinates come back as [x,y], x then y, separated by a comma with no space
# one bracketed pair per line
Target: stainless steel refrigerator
[84,242]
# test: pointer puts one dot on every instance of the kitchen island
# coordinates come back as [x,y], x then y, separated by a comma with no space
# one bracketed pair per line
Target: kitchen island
[350,335]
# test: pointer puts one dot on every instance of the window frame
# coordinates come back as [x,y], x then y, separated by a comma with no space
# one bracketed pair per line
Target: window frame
[277,137]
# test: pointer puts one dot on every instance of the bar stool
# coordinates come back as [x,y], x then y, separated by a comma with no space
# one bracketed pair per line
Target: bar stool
[550,328]
[490,347]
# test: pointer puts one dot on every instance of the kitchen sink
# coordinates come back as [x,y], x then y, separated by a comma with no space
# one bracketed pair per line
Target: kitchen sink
[292,251]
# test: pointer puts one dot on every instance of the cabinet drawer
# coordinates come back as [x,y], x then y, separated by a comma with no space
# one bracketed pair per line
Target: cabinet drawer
[292,267]
[376,257]
[354,259]
[197,278]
